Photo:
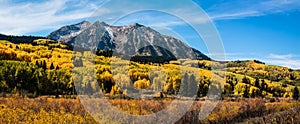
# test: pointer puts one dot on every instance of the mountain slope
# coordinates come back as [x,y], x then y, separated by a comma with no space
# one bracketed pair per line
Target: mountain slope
[66,33]
[132,40]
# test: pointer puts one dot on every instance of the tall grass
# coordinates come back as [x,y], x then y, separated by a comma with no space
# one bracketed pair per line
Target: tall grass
[50,110]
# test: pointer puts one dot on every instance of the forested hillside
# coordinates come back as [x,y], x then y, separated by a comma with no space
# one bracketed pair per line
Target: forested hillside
[19,39]
[47,67]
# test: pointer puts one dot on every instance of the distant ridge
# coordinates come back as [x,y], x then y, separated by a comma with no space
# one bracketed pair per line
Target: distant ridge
[20,39]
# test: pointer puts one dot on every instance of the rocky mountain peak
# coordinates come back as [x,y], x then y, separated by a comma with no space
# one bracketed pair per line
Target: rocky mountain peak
[84,23]
[131,40]
[100,23]
[66,33]
[136,25]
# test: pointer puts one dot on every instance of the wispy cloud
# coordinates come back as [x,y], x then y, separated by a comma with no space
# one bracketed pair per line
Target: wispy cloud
[154,15]
[294,64]
[276,56]
[237,9]
[234,9]
[19,18]
[235,15]
[27,17]
[287,60]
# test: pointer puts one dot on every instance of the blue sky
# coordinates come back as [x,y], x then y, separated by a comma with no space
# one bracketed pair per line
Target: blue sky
[266,30]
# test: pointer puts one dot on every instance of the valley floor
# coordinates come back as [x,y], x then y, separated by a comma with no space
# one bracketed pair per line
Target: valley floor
[51,110]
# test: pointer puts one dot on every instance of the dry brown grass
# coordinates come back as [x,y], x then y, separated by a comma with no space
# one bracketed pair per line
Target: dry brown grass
[50,110]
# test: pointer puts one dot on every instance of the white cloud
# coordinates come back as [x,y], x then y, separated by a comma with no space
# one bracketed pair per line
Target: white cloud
[235,15]
[287,60]
[27,17]
[154,15]
[24,18]
[237,9]
[276,56]
[294,64]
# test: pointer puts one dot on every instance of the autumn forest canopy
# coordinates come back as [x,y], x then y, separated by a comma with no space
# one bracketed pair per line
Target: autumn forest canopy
[47,67]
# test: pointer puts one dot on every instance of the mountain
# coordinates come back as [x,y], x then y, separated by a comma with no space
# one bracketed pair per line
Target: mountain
[132,40]
[68,32]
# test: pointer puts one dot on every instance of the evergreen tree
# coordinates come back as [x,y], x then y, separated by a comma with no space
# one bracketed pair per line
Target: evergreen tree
[51,66]
[256,83]
[296,93]
[200,88]
[161,95]
[246,92]
[263,85]
[205,89]
[44,65]
[56,67]
[37,63]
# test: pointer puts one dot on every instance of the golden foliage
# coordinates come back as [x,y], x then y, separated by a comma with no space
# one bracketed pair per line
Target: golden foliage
[142,84]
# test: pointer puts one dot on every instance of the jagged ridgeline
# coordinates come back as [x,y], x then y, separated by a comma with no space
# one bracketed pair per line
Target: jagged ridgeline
[135,42]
